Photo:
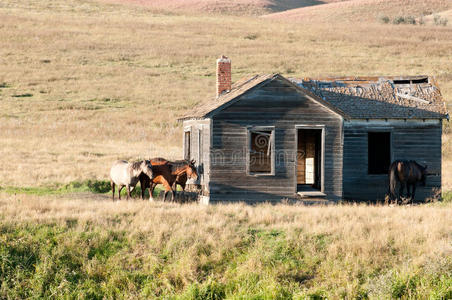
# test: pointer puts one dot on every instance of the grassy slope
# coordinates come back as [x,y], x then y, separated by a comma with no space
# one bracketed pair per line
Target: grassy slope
[84,83]
[92,248]
[236,7]
[368,11]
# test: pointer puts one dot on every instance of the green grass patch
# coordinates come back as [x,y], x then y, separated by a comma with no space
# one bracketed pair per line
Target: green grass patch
[70,260]
[92,186]
[50,261]
[25,95]
[447,197]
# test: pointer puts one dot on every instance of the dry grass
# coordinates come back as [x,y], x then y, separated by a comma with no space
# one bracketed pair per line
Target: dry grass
[85,82]
[237,7]
[339,251]
[367,11]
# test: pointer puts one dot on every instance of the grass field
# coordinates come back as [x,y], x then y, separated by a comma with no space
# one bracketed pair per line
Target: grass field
[85,82]
[80,246]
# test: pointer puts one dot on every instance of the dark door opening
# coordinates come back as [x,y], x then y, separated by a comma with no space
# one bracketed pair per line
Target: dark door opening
[309,160]
[379,152]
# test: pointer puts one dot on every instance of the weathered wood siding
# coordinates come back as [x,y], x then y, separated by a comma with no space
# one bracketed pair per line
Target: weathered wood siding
[411,140]
[200,137]
[282,106]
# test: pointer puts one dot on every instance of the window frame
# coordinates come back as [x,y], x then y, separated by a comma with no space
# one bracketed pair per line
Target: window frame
[249,129]
[391,147]
[189,131]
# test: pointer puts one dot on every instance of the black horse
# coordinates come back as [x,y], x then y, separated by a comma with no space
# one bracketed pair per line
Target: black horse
[407,173]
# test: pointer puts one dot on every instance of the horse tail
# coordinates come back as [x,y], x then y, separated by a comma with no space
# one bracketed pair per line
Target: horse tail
[392,179]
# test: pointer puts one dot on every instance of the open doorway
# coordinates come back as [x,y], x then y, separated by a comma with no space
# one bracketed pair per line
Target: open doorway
[309,160]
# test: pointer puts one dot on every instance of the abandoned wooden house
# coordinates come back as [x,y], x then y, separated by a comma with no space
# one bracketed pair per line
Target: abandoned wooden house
[269,138]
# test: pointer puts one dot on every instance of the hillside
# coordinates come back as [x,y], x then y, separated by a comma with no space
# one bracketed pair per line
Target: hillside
[84,83]
[439,17]
[368,11]
[238,7]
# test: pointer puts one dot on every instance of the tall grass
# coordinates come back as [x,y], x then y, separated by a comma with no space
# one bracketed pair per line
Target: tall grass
[65,247]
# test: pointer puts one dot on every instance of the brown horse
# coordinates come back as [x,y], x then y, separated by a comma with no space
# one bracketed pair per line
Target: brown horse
[407,173]
[181,179]
[167,173]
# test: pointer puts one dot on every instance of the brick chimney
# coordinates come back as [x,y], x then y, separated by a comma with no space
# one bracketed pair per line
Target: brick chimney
[223,75]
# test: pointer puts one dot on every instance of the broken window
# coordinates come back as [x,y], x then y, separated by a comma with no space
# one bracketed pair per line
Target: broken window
[261,151]
[412,81]
[379,152]
[421,80]
[402,81]
[187,145]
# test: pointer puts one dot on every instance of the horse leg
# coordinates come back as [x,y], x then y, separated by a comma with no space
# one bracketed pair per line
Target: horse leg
[112,190]
[412,194]
[402,185]
[142,189]
[168,189]
[151,191]
[164,195]
[128,191]
[174,188]
[119,191]
[408,193]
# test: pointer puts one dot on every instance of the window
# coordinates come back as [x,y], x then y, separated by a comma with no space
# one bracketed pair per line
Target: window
[379,152]
[412,81]
[261,151]
[402,82]
[187,145]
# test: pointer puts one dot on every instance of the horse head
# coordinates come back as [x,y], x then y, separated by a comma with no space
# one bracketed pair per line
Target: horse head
[191,170]
[146,168]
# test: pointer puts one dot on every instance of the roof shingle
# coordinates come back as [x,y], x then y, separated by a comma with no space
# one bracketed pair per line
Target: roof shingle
[357,97]
[380,97]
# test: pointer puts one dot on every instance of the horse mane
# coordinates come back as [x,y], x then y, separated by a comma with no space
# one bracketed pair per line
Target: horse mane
[179,163]
[159,159]
[136,165]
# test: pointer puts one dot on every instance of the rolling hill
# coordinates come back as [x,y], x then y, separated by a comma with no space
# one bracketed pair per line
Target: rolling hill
[362,10]
[238,7]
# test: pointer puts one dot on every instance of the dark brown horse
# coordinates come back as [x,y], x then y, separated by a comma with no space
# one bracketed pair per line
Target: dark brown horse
[167,173]
[407,173]
[181,179]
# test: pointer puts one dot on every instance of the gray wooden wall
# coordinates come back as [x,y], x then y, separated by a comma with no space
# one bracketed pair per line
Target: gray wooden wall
[411,140]
[200,148]
[282,106]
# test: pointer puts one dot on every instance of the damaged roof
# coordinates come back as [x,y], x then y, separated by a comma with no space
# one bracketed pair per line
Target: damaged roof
[398,97]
